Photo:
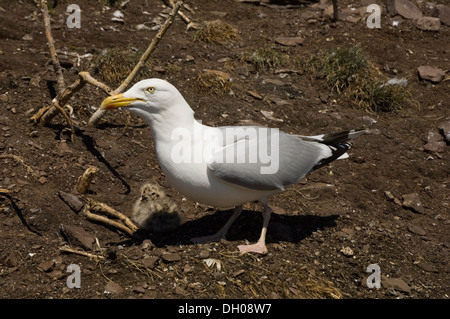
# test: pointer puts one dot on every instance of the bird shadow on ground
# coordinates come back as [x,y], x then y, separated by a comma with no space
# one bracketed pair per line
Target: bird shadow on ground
[247,227]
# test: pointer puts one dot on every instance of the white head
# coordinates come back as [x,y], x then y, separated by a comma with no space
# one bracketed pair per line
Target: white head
[150,97]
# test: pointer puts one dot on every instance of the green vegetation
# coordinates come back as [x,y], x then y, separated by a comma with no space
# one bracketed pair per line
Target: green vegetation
[268,58]
[349,71]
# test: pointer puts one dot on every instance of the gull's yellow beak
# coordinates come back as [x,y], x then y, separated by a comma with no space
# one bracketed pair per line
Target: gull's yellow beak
[116,101]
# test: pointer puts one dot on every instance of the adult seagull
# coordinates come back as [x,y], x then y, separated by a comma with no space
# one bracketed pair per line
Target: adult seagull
[225,166]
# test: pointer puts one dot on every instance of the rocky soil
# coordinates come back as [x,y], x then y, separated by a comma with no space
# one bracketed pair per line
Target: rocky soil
[387,205]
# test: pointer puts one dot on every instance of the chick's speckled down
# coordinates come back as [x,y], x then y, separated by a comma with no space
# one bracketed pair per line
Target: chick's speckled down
[154,211]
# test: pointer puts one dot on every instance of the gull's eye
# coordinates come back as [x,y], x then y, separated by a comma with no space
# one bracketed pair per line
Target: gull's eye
[150,89]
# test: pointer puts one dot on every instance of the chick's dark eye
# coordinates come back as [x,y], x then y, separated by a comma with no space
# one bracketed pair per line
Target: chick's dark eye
[150,89]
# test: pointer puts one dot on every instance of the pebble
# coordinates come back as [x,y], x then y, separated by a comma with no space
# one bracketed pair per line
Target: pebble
[444,129]
[417,230]
[395,283]
[150,261]
[347,252]
[77,236]
[430,73]
[435,147]
[428,24]
[113,288]
[289,41]
[46,266]
[404,8]
[204,254]
[443,13]
[412,201]
[171,257]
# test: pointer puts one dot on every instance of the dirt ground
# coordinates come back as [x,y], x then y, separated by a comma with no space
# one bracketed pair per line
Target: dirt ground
[324,232]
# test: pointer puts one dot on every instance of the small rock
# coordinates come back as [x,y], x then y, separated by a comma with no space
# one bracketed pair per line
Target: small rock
[430,73]
[404,8]
[427,267]
[395,283]
[46,266]
[113,288]
[444,129]
[171,257]
[77,236]
[255,95]
[180,291]
[139,289]
[188,269]
[150,261]
[412,202]
[42,179]
[428,24]
[417,230]
[72,201]
[2,146]
[204,254]
[189,58]
[27,37]
[389,195]
[11,260]
[432,136]
[141,27]
[442,12]
[289,41]
[242,70]
[347,251]
[435,147]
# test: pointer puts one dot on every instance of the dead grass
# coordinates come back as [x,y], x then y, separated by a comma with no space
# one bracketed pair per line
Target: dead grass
[211,82]
[350,72]
[114,65]
[216,32]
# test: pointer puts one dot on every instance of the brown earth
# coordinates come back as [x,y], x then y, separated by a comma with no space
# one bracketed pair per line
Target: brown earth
[321,238]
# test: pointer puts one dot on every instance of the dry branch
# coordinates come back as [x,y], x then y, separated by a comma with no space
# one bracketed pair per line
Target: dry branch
[85,180]
[67,249]
[51,46]
[145,56]
[107,222]
[103,208]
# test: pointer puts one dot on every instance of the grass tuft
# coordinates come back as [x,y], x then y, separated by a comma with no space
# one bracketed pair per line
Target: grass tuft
[216,32]
[349,71]
[268,58]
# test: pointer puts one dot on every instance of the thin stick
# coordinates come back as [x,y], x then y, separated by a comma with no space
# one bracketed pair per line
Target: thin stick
[51,46]
[67,249]
[145,56]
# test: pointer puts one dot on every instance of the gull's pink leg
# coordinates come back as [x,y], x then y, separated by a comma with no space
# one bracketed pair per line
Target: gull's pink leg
[260,246]
[222,232]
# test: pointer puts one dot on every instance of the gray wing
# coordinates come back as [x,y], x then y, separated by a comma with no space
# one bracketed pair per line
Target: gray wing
[265,159]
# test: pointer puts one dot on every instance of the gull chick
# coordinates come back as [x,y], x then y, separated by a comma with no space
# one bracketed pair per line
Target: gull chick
[154,211]
[203,162]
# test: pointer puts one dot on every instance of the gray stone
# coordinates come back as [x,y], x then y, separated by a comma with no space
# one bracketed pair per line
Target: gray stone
[412,201]
[113,288]
[77,236]
[395,283]
[404,8]
[289,41]
[444,129]
[171,257]
[443,13]
[435,147]
[417,230]
[430,73]
[428,24]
